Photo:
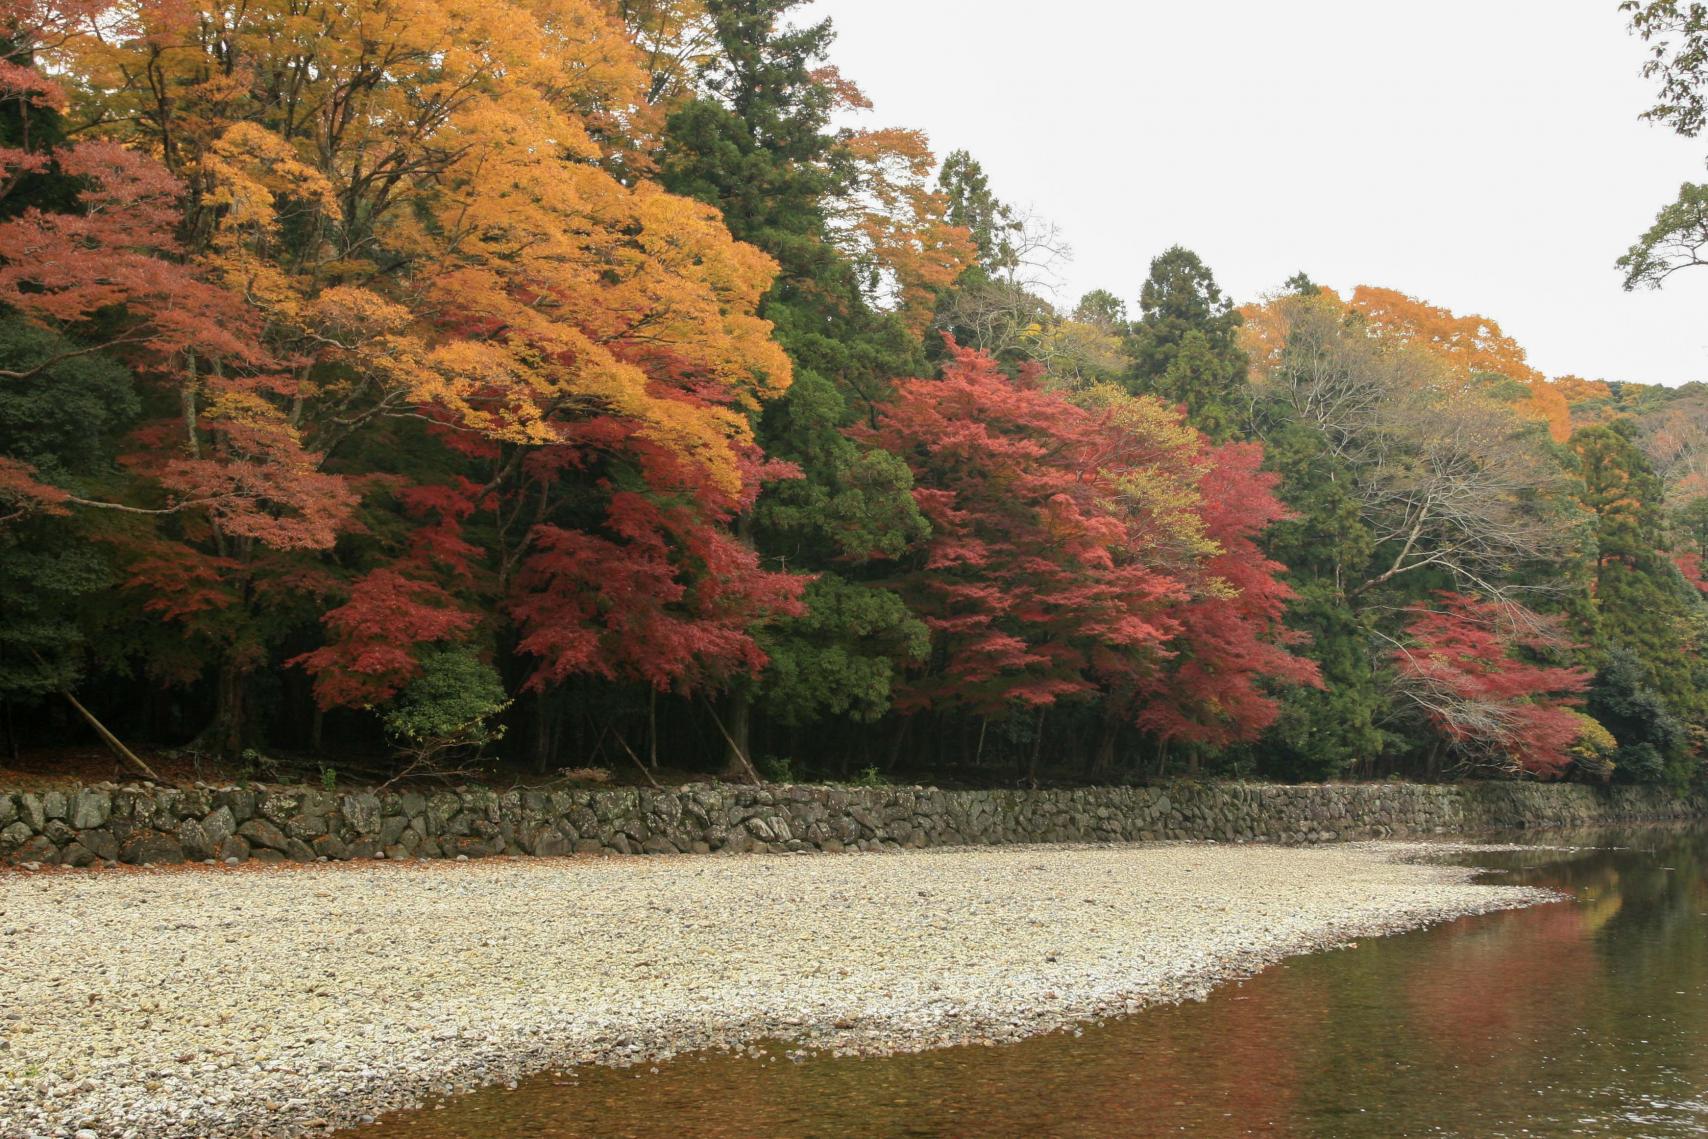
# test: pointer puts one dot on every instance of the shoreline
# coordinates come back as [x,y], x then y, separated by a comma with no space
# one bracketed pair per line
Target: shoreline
[292,1000]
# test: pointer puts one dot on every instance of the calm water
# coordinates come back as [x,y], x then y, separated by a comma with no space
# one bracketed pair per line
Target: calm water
[1583,1018]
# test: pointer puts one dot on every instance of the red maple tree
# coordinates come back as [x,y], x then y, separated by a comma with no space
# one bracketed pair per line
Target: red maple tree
[1076,549]
[1470,667]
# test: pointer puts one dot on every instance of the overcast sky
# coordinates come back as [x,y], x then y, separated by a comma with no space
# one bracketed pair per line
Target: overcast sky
[1484,155]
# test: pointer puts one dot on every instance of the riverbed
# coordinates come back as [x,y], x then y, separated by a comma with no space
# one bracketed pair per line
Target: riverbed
[1588,1018]
[225,1001]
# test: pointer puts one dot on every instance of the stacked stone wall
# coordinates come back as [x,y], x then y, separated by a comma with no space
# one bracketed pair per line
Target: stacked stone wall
[145,824]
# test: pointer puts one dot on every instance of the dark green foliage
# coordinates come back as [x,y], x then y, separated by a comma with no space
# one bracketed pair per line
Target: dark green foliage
[63,421]
[854,505]
[842,658]
[976,208]
[1323,732]
[1647,616]
[45,577]
[761,149]
[1652,741]
[758,146]
[449,708]
[1184,347]
[1327,538]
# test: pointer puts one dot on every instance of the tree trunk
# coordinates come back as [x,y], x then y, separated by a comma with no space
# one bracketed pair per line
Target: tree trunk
[738,729]
[224,735]
[652,728]
[903,726]
[740,762]
[541,746]
[1103,758]
[1037,750]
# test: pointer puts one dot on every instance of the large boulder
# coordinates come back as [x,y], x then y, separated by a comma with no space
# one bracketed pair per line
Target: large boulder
[194,838]
[330,847]
[150,846]
[262,833]
[239,800]
[278,807]
[220,824]
[101,842]
[91,808]
[469,846]
[14,835]
[362,813]
[545,842]
[306,827]
[38,848]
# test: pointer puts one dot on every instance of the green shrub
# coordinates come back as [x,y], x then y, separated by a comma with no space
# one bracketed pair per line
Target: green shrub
[448,711]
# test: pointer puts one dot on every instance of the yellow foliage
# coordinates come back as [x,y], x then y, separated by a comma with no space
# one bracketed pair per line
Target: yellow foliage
[1156,467]
[424,194]
[894,226]
[1465,346]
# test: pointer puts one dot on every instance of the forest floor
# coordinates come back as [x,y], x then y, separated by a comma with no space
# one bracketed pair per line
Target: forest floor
[69,768]
[254,1000]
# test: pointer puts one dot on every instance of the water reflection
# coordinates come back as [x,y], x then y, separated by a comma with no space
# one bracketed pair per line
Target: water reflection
[1584,1018]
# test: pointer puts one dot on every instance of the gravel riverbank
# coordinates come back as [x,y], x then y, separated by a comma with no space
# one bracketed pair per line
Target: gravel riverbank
[280,1000]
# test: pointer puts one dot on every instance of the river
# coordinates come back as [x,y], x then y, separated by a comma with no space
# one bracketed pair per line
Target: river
[1586,1017]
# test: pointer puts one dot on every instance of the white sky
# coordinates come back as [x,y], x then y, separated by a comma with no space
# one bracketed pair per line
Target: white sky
[1484,155]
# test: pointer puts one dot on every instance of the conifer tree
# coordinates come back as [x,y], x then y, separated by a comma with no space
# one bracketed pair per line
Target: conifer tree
[1185,349]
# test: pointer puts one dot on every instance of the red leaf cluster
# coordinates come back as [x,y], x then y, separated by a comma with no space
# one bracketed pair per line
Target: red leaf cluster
[665,594]
[1053,572]
[1465,667]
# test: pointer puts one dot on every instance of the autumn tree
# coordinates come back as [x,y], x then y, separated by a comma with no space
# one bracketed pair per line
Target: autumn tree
[432,243]
[1074,555]
[1469,668]
[1471,347]
[1404,480]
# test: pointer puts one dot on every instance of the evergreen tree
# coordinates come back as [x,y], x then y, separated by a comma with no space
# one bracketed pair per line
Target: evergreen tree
[1184,344]
[759,146]
[1644,609]
[975,207]
[1651,740]
[1325,544]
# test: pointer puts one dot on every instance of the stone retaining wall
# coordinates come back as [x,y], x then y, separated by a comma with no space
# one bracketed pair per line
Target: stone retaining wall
[141,824]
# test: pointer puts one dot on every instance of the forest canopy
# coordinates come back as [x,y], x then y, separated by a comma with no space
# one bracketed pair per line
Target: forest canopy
[568,383]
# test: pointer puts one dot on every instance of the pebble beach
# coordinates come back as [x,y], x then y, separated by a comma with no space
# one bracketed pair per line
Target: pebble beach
[292,1000]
